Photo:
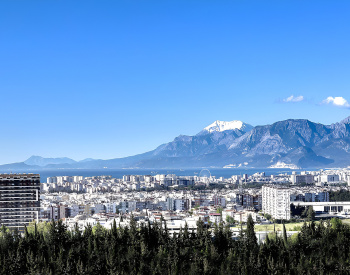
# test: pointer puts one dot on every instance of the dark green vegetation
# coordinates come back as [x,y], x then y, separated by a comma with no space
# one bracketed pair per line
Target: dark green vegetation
[303,212]
[296,210]
[319,249]
[341,195]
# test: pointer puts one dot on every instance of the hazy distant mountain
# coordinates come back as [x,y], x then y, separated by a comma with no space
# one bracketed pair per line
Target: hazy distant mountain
[293,143]
[18,166]
[87,159]
[40,161]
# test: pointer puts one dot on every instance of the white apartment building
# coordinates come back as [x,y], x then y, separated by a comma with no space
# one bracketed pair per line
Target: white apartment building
[276,201]
[51,180]
[77,178]
[181,204]
[330,178]
[170,204]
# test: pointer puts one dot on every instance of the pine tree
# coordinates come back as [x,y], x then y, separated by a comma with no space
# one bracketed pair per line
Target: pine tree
[310,214]
[250,233]
[285,235]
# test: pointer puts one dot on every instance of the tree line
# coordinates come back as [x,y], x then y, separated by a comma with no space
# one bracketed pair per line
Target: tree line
[50,248]
[341,195]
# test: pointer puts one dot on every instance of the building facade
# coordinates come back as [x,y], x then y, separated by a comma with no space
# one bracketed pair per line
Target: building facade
[298,179]
[19,199]
[276,201]
[330,178]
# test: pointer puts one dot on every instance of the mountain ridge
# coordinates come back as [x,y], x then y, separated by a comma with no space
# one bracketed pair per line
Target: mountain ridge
[294,142]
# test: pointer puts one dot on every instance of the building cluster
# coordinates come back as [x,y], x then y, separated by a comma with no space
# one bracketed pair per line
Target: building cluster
[177,207]
[321,177]
[211,206]
[277,200]
[102,184]
[113,195]
[102,198]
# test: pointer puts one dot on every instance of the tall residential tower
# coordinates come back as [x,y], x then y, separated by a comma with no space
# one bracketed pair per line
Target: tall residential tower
[276,201]
[19,199]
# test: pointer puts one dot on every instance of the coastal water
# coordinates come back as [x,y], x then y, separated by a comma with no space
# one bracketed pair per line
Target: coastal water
[118,173]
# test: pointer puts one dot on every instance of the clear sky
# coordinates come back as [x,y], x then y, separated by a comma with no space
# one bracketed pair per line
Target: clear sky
[107,79]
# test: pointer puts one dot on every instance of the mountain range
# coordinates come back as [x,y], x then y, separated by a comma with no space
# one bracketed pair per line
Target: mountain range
[293,143]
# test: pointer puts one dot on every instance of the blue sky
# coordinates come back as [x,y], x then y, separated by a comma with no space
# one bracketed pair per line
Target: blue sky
[106,79]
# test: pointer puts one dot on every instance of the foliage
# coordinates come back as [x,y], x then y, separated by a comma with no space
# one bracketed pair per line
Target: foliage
[296,228]
[267,216]
[335,223]
[296,210]
[320,248]
[219,210]
[310,214]
[341,195]
[230,220]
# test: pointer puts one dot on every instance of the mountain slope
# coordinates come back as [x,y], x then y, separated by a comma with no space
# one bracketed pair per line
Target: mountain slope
[300,142]
[294,142]
[214,138]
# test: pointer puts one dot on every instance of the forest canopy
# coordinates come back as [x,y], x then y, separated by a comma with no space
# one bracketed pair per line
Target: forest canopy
[322,248]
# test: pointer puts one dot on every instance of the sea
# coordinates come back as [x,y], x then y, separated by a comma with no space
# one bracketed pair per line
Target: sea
[119,173]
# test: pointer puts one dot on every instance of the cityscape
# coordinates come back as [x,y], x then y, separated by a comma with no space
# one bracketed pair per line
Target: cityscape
[185,199]
[179,200]
[174,137]
[278,205]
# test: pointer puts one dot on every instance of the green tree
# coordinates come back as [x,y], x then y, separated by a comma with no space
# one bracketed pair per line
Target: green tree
[250,236]
[230,220]
[219,210]
[99,230]
[310,214]
[335,223]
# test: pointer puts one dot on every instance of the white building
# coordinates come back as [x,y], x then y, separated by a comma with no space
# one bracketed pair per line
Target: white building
[51,180]
[276,201]
[181,204]
[170,204]
[148,178]
[330,178]
[77,178]
[135,186]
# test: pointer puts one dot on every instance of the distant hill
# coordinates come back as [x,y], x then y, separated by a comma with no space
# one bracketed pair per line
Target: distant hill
[40,161]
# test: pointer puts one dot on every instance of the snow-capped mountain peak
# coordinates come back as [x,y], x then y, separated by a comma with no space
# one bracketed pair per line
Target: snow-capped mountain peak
[220,126]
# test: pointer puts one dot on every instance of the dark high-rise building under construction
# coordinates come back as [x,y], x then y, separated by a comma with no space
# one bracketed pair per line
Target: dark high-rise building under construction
[19,199]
